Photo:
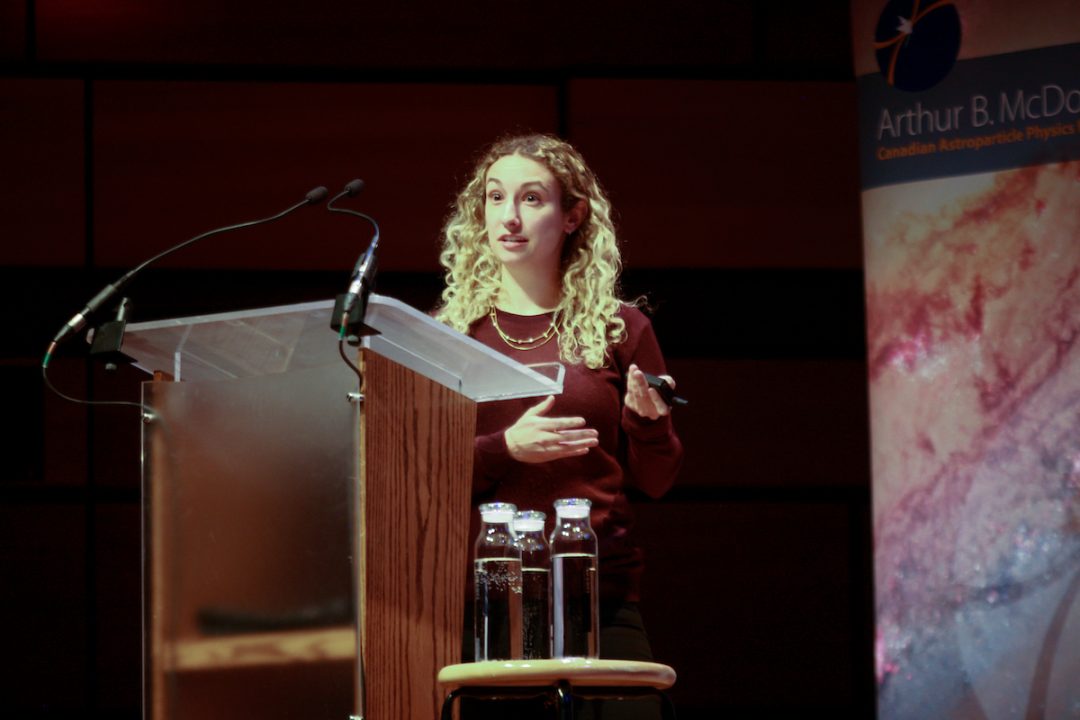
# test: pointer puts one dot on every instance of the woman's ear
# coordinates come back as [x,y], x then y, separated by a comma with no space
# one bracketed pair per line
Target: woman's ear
[574,217]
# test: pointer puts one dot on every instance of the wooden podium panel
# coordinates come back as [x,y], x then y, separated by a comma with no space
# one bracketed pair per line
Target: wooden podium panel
[416,450]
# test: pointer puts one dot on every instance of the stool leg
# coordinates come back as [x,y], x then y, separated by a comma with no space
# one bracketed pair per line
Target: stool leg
[448,706]
[667,708]
[566,700]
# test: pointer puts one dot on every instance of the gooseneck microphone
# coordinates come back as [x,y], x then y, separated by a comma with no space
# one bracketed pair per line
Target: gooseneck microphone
[78,321]
[349,309]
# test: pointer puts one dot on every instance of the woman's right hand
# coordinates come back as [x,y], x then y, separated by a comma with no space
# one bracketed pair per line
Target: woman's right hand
[535,438]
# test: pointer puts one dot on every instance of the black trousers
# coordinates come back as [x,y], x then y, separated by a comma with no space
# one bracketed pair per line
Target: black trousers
[622,637]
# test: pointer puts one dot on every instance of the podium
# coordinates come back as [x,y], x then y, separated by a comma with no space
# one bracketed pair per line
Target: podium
[304,539]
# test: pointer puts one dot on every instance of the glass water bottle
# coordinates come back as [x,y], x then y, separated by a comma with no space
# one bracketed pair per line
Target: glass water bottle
[575,589]
[536,584]
[497,582]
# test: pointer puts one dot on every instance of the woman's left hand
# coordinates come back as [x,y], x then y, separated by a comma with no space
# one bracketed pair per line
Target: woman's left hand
[641,398]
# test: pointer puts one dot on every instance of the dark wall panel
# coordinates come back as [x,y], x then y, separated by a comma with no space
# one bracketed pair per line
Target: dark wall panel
[43,600]
[12,29]
[797,35]
[44,439]
[755,313]
[22,443]
[725,174]
[773,423]
[426,34]
[752,604]
[66,423]
[177,159]
[118,630]
[42,196]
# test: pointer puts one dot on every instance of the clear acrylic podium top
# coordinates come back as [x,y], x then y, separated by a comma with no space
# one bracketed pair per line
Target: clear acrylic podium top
[268,341]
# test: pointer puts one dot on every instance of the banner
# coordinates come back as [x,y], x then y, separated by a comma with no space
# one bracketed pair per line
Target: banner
[970,157]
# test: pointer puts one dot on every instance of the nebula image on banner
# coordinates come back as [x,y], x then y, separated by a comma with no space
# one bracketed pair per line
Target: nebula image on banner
[973,322]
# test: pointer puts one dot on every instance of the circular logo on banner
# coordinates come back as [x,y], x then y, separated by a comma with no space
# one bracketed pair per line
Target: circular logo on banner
[916,42]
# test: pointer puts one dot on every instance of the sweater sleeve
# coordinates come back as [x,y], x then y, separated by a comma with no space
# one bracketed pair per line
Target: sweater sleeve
[491,461]
[654,452]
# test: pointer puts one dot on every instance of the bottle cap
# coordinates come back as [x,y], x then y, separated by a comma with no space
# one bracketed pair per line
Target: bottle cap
[529,521]
[572,507]
[497,512]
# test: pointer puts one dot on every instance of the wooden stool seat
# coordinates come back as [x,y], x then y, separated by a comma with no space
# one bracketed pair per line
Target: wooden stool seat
[559,680]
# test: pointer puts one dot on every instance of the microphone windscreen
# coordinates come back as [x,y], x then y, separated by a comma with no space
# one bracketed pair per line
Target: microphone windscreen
[317,195]
[354,186]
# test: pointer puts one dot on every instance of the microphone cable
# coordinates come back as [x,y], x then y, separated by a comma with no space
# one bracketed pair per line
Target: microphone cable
[78,321]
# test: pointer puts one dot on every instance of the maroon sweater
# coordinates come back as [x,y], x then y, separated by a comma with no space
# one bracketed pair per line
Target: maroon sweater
[633,451]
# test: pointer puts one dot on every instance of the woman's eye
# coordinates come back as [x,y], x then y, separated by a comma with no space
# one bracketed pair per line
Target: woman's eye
[532,197]
[495,195]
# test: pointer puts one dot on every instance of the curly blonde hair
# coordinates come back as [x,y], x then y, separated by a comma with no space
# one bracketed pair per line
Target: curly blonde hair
[588,321]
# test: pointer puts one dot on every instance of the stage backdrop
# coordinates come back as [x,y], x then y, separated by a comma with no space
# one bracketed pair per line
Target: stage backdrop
[970,158]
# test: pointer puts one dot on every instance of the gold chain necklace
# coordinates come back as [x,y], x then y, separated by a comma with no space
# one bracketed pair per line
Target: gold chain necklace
[526,343]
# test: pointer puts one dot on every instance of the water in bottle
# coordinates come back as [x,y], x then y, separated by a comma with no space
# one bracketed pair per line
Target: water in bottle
[575,586]
[536,584]
[497,581]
